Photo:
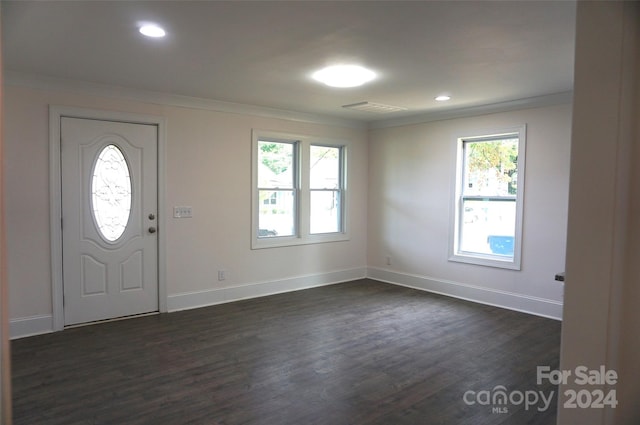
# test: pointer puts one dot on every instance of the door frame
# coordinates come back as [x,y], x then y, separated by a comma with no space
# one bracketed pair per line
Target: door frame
[56,113]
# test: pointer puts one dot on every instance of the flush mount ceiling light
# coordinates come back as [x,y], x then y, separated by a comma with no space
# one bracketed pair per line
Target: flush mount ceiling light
[344,76]
[152,30]
[443,98]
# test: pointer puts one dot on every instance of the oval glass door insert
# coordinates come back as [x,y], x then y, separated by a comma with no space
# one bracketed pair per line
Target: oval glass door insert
[111,193]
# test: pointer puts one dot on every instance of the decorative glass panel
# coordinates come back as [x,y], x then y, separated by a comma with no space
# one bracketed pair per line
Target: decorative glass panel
[111,193]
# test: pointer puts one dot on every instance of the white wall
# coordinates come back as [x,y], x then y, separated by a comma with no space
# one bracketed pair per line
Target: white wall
[411,169]
[407,172]
[208,168]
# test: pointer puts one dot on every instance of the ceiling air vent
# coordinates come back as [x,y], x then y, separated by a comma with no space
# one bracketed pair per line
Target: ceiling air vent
[374,108]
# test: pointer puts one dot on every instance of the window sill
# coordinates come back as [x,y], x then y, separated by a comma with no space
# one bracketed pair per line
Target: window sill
[488,260]
[277,242]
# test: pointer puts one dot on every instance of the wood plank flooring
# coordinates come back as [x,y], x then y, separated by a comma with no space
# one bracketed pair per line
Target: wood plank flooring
[361,352]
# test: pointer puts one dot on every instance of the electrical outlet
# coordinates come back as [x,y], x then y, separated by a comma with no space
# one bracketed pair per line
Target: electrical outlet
[182,212]
[222,275]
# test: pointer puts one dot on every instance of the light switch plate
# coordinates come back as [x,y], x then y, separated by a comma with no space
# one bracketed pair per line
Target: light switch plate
[182,212]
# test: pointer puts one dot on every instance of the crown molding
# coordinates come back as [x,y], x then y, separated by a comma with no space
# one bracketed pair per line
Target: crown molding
[13,78]
[473,111]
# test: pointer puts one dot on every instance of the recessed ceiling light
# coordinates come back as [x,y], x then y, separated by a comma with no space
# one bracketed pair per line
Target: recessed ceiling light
[344,76]
[443,98]
[152,30]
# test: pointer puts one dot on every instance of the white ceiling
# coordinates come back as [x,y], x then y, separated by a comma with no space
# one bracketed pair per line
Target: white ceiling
[262,53]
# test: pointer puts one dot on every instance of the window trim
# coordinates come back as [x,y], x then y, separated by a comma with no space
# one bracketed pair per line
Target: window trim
[490,260]
[302,219]
[295,184]
[340,190]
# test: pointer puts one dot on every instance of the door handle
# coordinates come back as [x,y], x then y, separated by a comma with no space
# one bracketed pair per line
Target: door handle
[152,229]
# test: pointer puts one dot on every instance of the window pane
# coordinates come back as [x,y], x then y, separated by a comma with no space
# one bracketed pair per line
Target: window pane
[325,211]
[491,168]
[277,213]
[275,165]
[324,167]
[111,193]
[488,226]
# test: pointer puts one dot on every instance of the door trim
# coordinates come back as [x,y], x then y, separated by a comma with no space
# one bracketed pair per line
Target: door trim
[55,197]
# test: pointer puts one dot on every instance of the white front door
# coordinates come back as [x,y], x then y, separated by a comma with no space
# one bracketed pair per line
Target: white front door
[109,219]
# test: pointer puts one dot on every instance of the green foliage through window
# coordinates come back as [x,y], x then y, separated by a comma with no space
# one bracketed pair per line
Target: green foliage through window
[495,159]
[276,156]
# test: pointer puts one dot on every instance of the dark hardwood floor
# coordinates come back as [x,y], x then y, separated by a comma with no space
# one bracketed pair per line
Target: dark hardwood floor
[354,353]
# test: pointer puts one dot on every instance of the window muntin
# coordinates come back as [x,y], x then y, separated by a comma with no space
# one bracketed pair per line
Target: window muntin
[489,189]
[277,177]
[325,184]
[314,191]
[111,193]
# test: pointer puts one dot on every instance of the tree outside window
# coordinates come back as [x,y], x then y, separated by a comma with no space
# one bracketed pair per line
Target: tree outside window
[488,205]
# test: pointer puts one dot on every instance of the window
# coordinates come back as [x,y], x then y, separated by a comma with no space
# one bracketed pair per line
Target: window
[271,200]
[325,182]
[488,201]
[277,187]
[299,190]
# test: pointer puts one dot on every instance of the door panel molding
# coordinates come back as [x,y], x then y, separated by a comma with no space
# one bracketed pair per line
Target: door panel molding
[56,113]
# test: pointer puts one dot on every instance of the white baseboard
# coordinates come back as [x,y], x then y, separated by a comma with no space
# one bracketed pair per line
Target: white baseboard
[527,304]
[35,325]
[189,300]
[29,326]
